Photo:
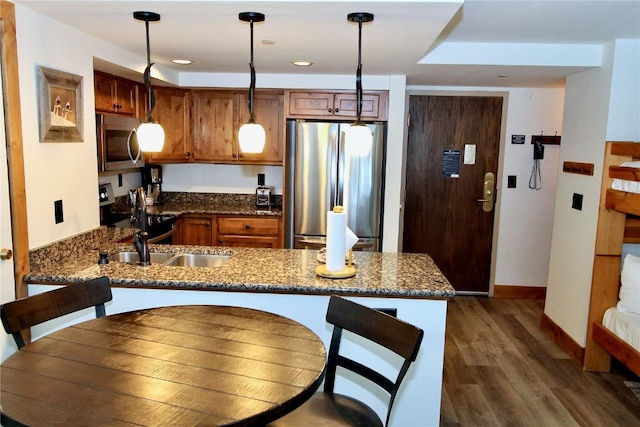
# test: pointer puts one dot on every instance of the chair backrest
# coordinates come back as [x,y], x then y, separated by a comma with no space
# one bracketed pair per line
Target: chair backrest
[394,334]
[30,311]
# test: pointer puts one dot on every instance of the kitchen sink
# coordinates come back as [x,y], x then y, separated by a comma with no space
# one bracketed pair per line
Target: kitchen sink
[133,257]
[198,260]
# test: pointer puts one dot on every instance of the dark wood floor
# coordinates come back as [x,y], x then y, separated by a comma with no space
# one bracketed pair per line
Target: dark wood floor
[501,369]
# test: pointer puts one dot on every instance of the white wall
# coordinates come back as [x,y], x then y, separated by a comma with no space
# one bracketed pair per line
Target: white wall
[526,216]
[600,104]
[55,171]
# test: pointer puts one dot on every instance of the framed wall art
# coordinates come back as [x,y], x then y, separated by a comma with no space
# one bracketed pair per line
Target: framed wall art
[60,106]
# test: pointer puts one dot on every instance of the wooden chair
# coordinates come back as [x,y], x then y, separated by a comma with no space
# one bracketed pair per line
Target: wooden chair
[6,421]
[330,409]
[26,312]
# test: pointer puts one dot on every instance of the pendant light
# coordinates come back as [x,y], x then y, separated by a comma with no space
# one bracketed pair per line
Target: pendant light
[150,134]
[251,135]
[358,136]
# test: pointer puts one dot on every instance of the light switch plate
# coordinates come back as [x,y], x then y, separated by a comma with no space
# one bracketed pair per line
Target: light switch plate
[469,154]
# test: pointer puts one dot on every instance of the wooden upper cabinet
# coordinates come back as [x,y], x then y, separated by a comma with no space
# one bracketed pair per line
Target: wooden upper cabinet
[115,95]
[173,111]
[215,119]
[323,104]
[268,109]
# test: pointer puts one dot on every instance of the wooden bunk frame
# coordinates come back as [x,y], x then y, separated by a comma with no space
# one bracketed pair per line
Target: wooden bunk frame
[614,229]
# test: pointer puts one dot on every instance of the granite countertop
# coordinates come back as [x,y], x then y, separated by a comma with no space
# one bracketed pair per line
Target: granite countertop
[178,203]
[248,270]
[210,208]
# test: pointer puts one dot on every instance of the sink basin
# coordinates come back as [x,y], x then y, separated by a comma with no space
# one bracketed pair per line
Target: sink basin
[132,257]
[198,260]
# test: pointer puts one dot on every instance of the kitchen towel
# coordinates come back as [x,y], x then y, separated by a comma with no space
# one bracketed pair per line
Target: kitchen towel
[336,232]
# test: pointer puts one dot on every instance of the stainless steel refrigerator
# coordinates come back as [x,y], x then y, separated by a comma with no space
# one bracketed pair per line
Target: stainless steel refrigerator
[320,174]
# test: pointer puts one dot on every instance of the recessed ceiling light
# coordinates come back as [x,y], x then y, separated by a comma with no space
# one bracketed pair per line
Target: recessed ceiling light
[267,41]
[302,63]
[182,61]
[503,75]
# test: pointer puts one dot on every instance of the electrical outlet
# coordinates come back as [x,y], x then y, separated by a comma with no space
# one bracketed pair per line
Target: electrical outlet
[511,181]
[57,208]
[576,203]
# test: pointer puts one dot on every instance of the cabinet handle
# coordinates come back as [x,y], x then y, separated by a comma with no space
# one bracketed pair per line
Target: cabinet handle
[247,226]
[330,110]
[241,155]
[234,155]
[220,241]
[337,110]
[208,224]
[188,153]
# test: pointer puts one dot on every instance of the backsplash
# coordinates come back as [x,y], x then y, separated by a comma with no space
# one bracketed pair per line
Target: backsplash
[54,253]
[241,200]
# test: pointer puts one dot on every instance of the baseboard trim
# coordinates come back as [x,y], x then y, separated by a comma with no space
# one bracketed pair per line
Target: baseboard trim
[564,341]
[519,292]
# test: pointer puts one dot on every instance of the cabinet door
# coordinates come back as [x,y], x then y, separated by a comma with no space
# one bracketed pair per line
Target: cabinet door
[268,109]
[310,104]
[126,97]
[215,126]
[104,93]
[173,112]
[374,105]
[195,230]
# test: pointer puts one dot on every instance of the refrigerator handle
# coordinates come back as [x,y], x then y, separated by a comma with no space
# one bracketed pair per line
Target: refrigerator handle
[334,174]
[340,160]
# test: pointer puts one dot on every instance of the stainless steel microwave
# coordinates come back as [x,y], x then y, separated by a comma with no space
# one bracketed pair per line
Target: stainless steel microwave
[118,147]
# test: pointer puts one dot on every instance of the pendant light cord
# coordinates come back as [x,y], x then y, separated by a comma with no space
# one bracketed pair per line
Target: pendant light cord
[359,74]
[252,84]
[147,78]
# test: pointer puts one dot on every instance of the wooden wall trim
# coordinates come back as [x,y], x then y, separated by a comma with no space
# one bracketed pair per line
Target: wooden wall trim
[572,348]
[520,292]
[15,157]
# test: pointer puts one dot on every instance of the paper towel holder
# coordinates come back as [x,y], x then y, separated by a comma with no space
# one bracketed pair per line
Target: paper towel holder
[348,271]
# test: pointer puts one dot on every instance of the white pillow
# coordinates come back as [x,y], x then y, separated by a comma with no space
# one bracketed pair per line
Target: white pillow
[630,289]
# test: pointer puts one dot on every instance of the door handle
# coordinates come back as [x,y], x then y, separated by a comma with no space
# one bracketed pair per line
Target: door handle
[5,253]
[487,192]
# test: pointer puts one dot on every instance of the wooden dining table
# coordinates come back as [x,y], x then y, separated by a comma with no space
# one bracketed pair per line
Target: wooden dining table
[181,365]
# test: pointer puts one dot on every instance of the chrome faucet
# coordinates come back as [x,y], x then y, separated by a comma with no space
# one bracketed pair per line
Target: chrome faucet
[141,237]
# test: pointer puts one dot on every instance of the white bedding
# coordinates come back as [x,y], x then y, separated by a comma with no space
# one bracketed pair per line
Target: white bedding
[624,185]
[624,324]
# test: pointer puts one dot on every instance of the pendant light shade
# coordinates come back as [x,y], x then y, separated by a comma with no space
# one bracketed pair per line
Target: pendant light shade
[251,135]
[358,136]
[150,133]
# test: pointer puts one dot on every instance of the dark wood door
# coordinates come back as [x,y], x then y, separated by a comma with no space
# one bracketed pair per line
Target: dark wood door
[443,216]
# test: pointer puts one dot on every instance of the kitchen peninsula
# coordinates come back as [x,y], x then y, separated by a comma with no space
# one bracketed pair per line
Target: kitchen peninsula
[282,281]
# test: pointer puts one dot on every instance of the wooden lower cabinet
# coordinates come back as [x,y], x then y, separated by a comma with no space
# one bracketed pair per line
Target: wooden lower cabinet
[251,231]
[229,230]
[195,230]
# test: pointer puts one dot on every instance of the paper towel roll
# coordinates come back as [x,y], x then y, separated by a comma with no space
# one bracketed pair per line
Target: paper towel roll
[336,230]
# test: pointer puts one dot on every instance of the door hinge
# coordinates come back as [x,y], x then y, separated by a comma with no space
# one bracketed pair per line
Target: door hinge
[408,120]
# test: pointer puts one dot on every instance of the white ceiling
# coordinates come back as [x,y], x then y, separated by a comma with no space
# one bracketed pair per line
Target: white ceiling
[436,42]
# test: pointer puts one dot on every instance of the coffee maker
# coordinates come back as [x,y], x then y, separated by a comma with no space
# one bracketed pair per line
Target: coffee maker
[152,182]
[263,194]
